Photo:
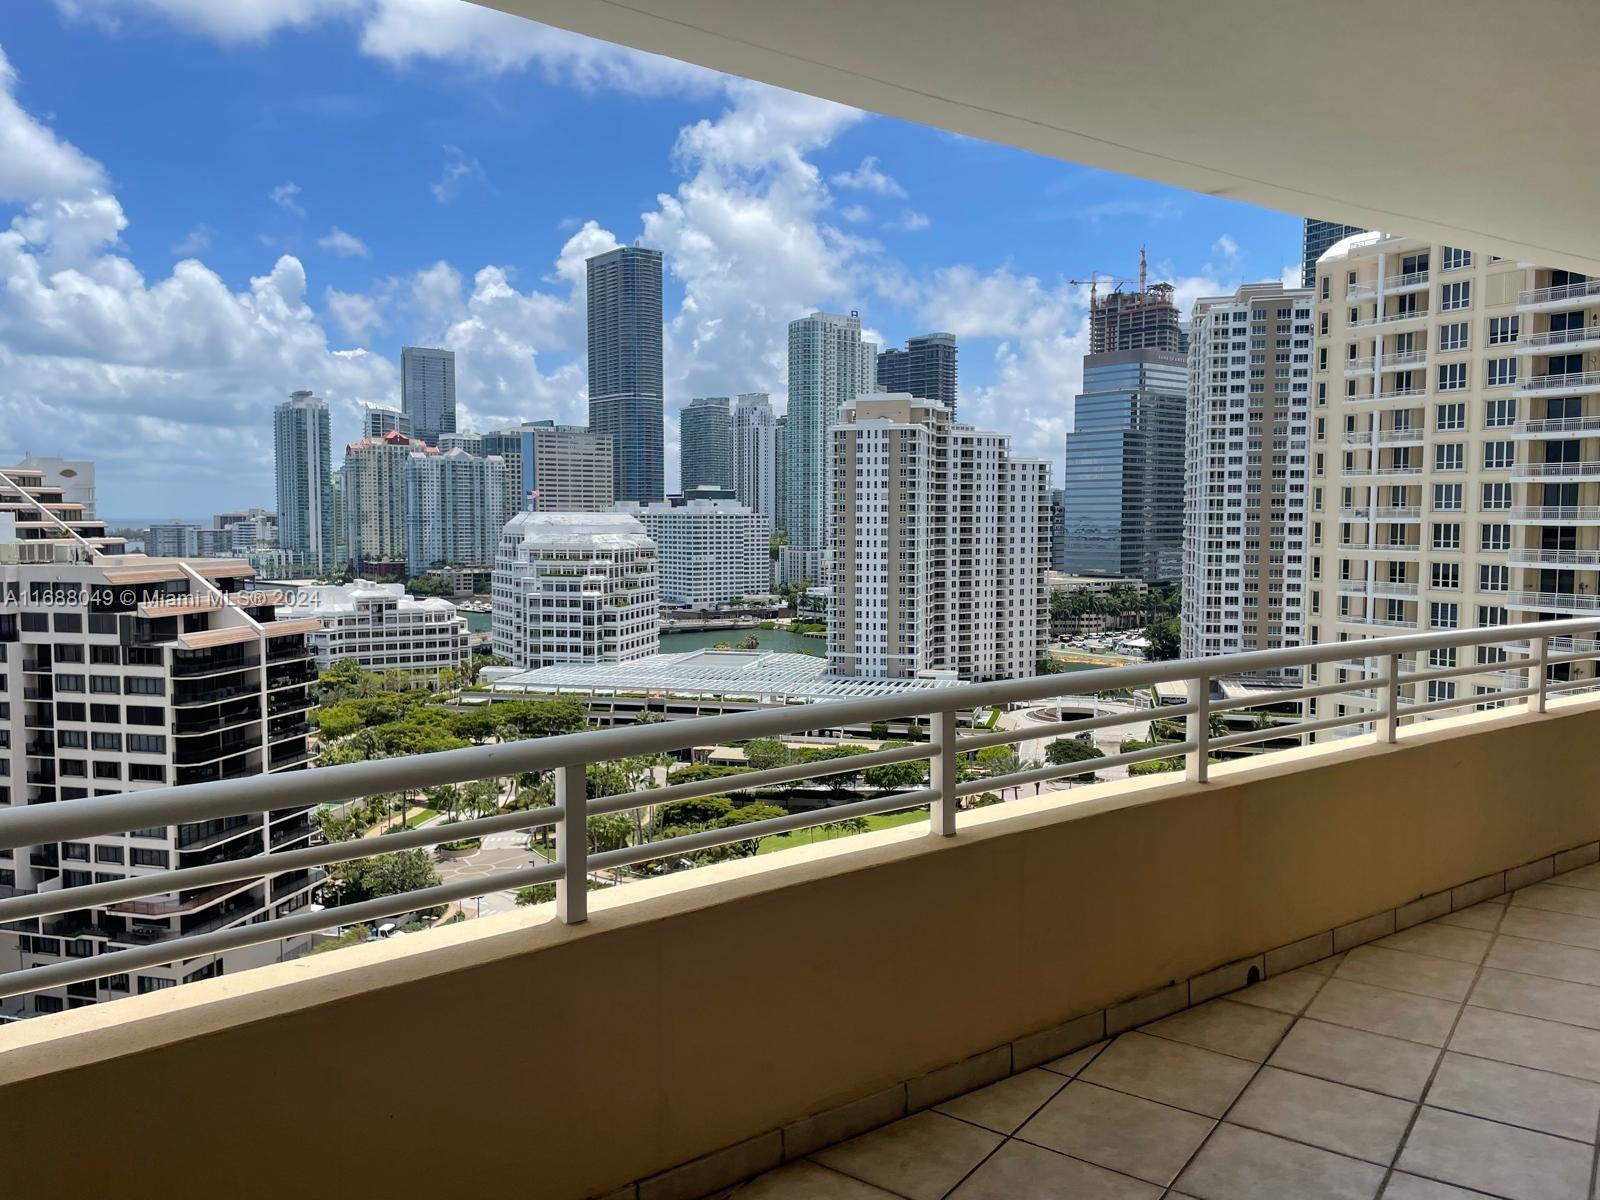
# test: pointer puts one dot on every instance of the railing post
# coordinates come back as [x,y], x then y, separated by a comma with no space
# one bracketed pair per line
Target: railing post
[1199,728]
[572,844]
[942,773]
[1391,699]
[1541,658]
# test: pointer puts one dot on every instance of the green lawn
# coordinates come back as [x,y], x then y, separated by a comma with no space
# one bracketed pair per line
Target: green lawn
[804,837]
[418,816]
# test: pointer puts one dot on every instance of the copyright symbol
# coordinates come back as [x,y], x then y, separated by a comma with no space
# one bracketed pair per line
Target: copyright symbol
[128,596]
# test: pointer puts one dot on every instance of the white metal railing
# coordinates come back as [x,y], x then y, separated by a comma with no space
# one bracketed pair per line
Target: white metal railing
[1391,513]
[1385,437]
[1534,342]
[1564,291]
[1556,470]
[1575,602]
[1380,547]
[1537,514]
[1527,556]
[1394,318]
[1557,426]
[1368,472]
[1573,381]
[567,757]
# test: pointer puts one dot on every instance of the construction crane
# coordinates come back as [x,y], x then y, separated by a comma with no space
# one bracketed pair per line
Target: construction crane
[1094,280]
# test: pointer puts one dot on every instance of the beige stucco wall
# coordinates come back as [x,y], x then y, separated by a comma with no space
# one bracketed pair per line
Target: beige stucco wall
[512,1053]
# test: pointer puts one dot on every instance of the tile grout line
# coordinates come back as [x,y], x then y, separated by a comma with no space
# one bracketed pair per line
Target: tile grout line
[1218,1121]
[1461,1008]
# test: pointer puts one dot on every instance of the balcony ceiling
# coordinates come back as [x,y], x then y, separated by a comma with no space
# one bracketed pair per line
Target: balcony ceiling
[1455,120]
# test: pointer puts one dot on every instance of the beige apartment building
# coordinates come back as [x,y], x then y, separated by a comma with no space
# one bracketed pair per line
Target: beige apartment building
[1244,536]
[1454,459]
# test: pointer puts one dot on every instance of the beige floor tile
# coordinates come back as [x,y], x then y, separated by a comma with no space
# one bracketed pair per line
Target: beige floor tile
[1201,1081]
[1071,1064]
[1242,1164]
[1004,1106]
[1288,993]
[1512,1095]
[1553,961]
[1547,926]
[1579,902]
[1242,1030]
[921,1157]
[1324,966]
[1534,996]
[1411,1187]
[1382,1010]
[1528,1042]
[1441,941]
[1324,1114]
[1124,1133]
[807,1181]
[1479,916]
[1353,1056]
[1583,877]
[1516,1163]
[1423,974]
[1018,1171]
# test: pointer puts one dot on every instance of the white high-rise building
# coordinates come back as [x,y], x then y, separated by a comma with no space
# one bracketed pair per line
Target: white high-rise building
[1245,491]
[755,454]
[455,508]
[375,502]
[829,366]
[381,628]
[146,673]
[73,477]
[941,540]
[554,468]
[575,587]
[303,464]
[710,552]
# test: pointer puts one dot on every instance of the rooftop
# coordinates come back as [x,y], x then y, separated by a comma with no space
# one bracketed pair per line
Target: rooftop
[767,676]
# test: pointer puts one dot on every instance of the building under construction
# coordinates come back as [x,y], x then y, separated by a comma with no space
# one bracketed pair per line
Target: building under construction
[1142,320]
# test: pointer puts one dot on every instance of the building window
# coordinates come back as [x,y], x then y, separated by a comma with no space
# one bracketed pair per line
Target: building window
[1503,330]
[1494,537]
[1498,456]
[1447,497]
[1452,377]
[1499,414]
[1449,417]
[1446,575]
[1448,456]
[1444,614]
[1441,690]
[1453,336]
[1454,296]
[1446,535]
[1455,259]
[1502,372]
[1496,497]
[1494,577]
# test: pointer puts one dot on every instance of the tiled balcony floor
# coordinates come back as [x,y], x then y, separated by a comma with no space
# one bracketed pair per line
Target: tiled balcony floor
[1455,1059]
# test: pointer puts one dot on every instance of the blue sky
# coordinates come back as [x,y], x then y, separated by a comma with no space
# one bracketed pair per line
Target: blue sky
[213,205]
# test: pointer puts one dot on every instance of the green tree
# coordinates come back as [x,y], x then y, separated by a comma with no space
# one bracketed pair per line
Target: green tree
[1070,750]
[748,815]
[384,875]
[1165,638]
[609,831]
[894,776]
[763,754]
[842,781]
[706,810]
[998,760]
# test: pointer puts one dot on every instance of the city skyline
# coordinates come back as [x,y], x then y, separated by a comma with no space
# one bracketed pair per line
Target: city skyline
[444,240]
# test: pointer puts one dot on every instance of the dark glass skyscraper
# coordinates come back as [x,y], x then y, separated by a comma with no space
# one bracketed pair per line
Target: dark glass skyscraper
[926,369]
[1319,236]
[625,373]
[428,391]
[705,444]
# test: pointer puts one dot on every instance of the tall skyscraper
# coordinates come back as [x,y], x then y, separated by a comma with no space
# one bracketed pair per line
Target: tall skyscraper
[376,420]
[705,444]
[625,372]
[1319,236]
[829,366]
[302,463]
[1244,547]
[455,508]
[1456,412]
[1123,485]
[428,391]
[554,468]
[940,544]
[375,503]
[1124,475]
[755,454]
[926,368]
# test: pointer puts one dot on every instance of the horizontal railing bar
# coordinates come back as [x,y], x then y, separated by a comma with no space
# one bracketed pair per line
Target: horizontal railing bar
[1415,710]
[1576,656]
[975,787]
[1424,674]
[119,962]
[1293,729]
[1006,737]
[707,839]
[260,866]
[1570,685]
[745,781]
[1303,693]
[94,816]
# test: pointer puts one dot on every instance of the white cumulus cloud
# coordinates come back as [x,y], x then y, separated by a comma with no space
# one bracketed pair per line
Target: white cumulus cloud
[345,245]
[868,177]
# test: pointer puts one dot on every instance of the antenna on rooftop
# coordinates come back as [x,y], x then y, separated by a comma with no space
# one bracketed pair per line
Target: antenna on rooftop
[1144,271]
